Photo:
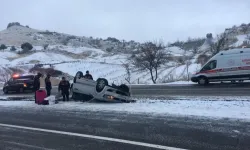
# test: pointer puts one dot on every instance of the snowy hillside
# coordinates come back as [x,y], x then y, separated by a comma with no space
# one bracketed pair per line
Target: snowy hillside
[241,39]
[18,34]
[103,58]
[41,57]
[101,65]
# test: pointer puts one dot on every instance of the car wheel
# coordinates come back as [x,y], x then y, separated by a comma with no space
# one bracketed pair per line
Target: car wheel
[101,83]
[203,81]
[124,88]
[73,96]
[78,75]
[5,91]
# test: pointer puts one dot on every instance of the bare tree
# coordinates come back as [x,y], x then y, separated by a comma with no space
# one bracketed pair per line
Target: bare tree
[128,72]
[245,44]
[3,47]
[26,47]
[219,45]
[5,74]
[248,37]
[244,29]
[45,46]
[195,50]
[150,57]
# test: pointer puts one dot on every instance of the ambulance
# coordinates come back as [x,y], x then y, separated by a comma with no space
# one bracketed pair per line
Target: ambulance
[230,65]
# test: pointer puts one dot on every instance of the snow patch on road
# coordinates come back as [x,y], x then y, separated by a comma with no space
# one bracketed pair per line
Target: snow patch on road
[202,108]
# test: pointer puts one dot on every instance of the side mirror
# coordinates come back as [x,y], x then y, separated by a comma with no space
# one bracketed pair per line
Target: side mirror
[7,82]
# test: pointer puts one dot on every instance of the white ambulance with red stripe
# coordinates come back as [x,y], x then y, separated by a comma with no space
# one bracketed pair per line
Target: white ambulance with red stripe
[231,65]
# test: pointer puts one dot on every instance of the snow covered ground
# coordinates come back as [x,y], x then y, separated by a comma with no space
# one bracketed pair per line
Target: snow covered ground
[116,72]
[98,61]
[176,51]
[7,54]
[4,55]
[241,39]
[107,66]
[76,50]
[4,62]
[200,108]
[42,57]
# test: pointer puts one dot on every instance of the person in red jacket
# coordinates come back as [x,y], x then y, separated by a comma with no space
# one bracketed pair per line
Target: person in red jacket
[64,87]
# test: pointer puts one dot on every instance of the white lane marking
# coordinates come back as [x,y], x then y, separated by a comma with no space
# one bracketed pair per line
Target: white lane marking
[27,145]
[93,137]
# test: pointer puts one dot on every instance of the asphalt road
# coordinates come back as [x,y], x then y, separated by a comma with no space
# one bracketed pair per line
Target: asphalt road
[227,89]
[181,132]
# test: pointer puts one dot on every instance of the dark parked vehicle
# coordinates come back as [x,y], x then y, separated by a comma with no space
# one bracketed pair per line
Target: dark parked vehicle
[19,83]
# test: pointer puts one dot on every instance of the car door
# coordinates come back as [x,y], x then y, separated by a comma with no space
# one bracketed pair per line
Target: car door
[231,67]
[245,65]
[16,84]
[211,71]
[11,85]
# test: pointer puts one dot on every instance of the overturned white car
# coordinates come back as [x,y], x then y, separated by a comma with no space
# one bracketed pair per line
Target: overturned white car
[86,89]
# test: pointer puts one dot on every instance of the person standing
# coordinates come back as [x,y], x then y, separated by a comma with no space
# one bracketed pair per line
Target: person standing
[48,85]
[64,87]
[37,83]
[88,75]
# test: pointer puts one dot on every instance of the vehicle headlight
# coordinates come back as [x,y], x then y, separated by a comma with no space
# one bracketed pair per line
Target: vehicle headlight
[110,97]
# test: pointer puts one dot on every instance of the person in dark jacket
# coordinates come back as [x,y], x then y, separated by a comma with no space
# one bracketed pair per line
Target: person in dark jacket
[88,76]
[64,87]
[48,85]
[36,83]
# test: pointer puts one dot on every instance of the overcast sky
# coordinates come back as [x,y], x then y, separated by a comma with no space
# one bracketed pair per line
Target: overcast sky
[139,20]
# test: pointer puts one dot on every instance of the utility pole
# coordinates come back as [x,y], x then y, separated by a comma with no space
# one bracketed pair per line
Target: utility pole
[188,63]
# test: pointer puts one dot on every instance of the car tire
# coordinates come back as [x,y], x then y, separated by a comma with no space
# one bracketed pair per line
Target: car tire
[5,91]
[101,83]
[124,88]
[78,75]
[203,81]
[73,96]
